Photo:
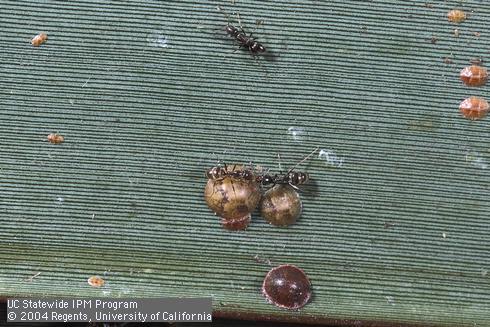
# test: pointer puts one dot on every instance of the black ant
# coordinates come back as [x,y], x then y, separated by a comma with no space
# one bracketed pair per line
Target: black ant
[246,41]
[219,172]
[293,178]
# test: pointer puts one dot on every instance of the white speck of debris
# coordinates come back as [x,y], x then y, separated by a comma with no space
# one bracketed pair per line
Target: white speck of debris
[93,216]
[331,158]
[157,39]
[60,200]
[475,159]
[444,235]
[32,277]
[297,134]
[483,272]
[88,79]
[390,299]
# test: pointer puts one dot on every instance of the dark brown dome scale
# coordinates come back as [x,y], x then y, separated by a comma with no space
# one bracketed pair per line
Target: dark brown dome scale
[474,75]
[287,287]
[281,205]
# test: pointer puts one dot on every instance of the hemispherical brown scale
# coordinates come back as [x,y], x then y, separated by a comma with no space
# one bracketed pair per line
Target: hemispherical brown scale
[474,75]
[56,138]
[39,39]
[456,16]
[474,108]
[287,287]
[281,205]
[232,198]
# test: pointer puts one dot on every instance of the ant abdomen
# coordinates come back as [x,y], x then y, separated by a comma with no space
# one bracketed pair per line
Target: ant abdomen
[256,47]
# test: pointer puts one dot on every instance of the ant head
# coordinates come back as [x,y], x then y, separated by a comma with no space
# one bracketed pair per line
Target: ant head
[230,29]
[212,172]
[216,172]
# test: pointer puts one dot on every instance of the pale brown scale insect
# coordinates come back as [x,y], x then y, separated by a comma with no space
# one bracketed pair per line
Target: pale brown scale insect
[474,75]
[281,205]
[233,199]
[474,108]
[96,281]
[56,138]
[456,16]
[39,39]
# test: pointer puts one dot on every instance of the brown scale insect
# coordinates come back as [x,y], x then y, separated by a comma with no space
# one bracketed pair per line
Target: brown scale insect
[281,205]
[39,39]
[474,75]
[474,108]
[56,138]
[96,281]
[456,16]
[287,287]
[233,199]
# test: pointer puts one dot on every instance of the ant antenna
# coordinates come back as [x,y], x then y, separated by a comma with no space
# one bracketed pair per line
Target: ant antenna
[239,21]
[306,158]
[260,65]
[258,23]
[279,161]
[224,13]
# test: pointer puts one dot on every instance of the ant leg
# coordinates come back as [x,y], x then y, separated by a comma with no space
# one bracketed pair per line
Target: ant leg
[279,161]
[295,187]
[240,47]
[257,24]
[258,63]
[240,23]
[224,13]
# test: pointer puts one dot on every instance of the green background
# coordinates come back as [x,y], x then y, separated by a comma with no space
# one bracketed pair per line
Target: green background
[149,94]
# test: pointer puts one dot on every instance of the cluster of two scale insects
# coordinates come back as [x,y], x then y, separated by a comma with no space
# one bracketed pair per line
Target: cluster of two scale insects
[233,192]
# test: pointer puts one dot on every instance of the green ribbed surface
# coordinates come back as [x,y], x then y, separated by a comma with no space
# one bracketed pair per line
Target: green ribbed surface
[123,196]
